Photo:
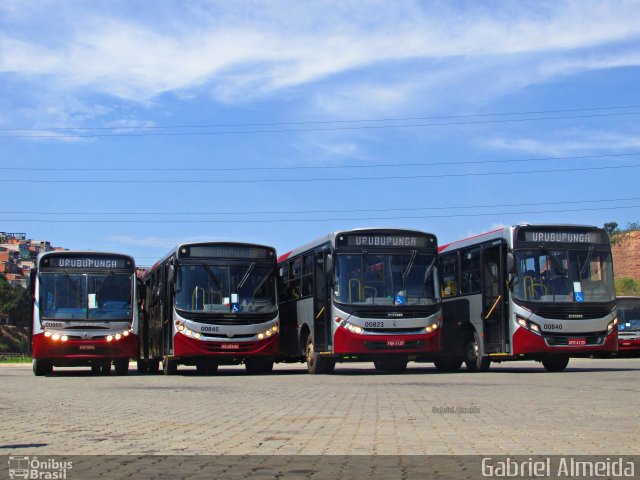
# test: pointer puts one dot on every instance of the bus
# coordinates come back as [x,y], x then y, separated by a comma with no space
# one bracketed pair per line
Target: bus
[538,292]
[363,295]
[85,311]
[207,304]
[628,325]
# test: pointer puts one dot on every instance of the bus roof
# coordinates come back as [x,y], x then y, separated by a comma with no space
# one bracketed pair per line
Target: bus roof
[505,232]
[331,237]
[63,253]
[174,251]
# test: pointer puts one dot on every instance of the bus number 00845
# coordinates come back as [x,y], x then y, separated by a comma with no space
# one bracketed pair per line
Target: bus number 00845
[552,326]
[373,324]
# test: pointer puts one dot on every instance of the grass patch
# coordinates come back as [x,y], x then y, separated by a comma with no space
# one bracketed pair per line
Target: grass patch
[14,359]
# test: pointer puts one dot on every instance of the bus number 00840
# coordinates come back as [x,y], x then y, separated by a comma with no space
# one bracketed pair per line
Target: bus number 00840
[552,326]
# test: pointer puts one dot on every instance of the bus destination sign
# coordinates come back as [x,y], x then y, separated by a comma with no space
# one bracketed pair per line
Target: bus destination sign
[559,236]
[231,251]
[87,262]
[387,241]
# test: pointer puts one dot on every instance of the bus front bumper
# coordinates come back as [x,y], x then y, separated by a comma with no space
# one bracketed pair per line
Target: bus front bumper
[348,343]
[526,342]
[184,346]
[46,347]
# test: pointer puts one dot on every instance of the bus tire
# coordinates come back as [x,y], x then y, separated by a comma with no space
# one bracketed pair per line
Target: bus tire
[472,358]
[41,367]
[448,364]
[142,366]
[258,366]
[169,366]
[121,366]
[206,368]
[391,364]
[555,363]
[315,363]
[153,366]
[101,368]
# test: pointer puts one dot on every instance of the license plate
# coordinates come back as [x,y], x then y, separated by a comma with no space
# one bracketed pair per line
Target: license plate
[395,343]
[230,346]
[577,341]
[87,347]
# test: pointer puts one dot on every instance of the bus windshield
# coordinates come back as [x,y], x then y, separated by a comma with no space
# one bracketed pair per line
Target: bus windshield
[567,276]
[246,288]
[386,279]
[95,297]
[629,318]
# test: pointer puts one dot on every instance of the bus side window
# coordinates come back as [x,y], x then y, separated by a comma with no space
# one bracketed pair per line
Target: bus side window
[296,279]
[470,268]
[307,275]
[449,275]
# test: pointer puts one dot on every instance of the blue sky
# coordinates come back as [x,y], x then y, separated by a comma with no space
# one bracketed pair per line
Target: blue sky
[243,119]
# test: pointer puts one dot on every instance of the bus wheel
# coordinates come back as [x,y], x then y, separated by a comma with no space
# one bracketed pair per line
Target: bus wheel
[315,363]
[142,366]
[41,367]
[121,366]
[448,364]
[169,366]
[257,366]
[206,368]
[153,366]
[556,363]
[101,368]
[472,358]
[392,364]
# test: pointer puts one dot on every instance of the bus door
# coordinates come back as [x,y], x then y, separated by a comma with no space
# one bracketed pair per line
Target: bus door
[494,311]
[321,304]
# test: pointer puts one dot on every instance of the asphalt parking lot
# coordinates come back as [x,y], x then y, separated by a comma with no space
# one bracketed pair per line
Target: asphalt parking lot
[514,409]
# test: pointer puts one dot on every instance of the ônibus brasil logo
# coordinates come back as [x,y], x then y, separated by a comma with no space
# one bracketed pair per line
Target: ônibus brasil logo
[36,469]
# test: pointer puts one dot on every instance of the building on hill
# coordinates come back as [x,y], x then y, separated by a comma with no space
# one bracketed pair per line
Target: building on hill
[18,256]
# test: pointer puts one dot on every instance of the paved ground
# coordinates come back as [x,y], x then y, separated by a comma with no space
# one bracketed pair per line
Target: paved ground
[516,408]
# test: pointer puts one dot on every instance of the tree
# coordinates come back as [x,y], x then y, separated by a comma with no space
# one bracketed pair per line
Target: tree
[611,228]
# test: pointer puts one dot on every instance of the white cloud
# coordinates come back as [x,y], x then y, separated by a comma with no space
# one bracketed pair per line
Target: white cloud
[244,50]
[569,142]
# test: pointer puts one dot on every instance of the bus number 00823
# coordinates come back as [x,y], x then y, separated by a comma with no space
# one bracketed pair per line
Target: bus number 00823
[373,324]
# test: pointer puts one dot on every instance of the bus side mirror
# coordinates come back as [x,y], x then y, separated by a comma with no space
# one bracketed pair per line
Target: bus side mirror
[510,263]
[328,269]
[32,283]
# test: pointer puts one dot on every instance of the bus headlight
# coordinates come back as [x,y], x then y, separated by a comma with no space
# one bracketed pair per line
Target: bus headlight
[47,334]
[109,338]
[357,329]
[55,337]
[521,321]
[534,327]
[125,333]
[64,338]
[612,324]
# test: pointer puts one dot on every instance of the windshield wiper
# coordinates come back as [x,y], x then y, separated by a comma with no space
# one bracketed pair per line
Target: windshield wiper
[409,265]
[75,289]
[212,275]
[586,261]
[556,263]
[246,275]
[103,282]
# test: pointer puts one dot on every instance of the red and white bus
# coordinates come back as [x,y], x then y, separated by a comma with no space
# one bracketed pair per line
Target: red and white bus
[85,311]
[539,292]
[628,325]
[365,294]
[208,304]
